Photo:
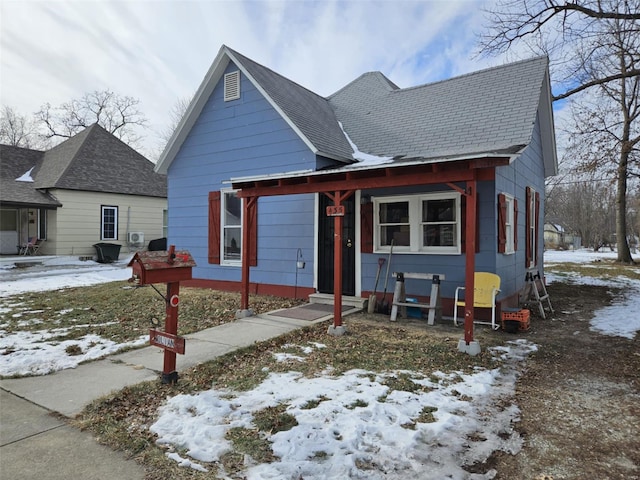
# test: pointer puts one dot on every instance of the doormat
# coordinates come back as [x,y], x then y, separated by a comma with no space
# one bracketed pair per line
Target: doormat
[310,311]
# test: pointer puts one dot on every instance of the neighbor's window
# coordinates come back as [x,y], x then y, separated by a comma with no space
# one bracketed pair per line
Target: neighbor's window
[231,227]
[165,223]
[418,223]
[109,223]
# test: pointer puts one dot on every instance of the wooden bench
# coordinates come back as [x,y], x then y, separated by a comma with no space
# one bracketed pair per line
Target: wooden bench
[400,299]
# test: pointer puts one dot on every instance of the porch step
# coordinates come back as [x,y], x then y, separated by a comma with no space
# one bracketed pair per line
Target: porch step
[327,299]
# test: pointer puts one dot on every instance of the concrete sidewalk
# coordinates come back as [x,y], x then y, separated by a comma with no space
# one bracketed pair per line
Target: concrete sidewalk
[36,443]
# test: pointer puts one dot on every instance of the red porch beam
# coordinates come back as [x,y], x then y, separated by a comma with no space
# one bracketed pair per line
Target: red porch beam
[328,185]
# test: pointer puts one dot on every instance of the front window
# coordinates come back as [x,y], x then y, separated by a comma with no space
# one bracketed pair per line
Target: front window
[231,228]
[419,223]
[439,223]
[109,223]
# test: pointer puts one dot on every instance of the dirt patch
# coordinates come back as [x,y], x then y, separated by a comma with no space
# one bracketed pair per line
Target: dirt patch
[579,396]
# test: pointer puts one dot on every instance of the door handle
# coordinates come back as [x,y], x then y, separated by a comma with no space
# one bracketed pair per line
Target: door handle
[349,244]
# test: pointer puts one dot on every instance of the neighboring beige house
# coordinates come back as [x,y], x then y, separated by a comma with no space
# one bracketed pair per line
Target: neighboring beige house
[91,188]
[556,237]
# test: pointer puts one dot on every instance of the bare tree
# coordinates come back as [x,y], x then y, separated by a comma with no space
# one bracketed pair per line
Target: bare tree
[595,50]
[176,113]
[117,114]
[18,130]
[584,208]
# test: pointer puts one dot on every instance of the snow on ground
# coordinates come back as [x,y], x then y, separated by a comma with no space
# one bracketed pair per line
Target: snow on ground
[349,426]
[31,353]
[36,352]
[619,319]
[354,426]
[57,272]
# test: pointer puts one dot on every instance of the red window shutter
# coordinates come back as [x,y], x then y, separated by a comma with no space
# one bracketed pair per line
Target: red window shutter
[515,225]
[502,223]
[527,228]
[253,239]
[537,226]
[366,228]
[214,228]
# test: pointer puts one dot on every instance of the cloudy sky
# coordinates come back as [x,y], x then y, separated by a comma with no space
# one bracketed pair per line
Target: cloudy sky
[158,51]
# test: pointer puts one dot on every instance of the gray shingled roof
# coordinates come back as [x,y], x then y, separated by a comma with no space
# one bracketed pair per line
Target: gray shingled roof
[15,162]
[311,113]
[490,111]
[95,160]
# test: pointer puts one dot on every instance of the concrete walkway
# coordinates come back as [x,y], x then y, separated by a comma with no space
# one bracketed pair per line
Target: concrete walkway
[36,443]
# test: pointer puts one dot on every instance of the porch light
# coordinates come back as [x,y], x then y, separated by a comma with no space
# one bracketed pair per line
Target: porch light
[300,263]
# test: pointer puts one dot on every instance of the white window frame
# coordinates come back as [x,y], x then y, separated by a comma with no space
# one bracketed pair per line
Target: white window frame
[165,223]
[531,211]
[416,224]
[103,210]
[224,259]
[509,226]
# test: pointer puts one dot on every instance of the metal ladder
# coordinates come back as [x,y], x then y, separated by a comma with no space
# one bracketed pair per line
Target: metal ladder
[535,293]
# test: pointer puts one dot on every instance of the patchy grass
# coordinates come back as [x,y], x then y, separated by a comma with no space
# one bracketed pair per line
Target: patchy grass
[119,312]
[604,269]
[122,419]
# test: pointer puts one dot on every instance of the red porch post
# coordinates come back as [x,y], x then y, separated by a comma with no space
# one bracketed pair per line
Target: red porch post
[338,223]
[337,212]
[248,203]
[470,259]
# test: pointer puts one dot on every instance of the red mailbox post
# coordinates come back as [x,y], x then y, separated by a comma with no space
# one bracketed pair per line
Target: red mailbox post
[168,267]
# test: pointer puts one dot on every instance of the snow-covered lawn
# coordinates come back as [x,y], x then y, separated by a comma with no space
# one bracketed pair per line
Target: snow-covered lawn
[348,426]
[38,351]
[619,319]
[355,426]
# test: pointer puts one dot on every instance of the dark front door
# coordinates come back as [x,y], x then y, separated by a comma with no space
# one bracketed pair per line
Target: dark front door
[326,247]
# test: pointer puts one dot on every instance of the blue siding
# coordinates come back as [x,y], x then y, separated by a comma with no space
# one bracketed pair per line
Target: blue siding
[452,266]
[234,139]
[248,137]
[526,171]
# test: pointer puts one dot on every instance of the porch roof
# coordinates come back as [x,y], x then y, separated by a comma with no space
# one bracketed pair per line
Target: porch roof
[397,172]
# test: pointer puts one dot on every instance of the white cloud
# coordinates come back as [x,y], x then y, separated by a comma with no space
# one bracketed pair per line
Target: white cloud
[159,51]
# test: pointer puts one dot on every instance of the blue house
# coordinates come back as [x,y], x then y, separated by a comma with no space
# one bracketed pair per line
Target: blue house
[264,175]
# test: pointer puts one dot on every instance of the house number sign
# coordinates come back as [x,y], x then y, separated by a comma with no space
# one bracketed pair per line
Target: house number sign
[335,211]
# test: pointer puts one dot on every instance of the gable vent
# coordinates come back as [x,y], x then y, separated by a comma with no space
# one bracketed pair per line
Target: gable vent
[232,86]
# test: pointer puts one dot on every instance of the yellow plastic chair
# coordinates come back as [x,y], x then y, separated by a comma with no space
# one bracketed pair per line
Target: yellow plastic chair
[486,289]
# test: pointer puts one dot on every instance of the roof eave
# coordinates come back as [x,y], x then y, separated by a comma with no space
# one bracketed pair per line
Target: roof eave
[213,76]
[354,168]
[547,128]
[193,111]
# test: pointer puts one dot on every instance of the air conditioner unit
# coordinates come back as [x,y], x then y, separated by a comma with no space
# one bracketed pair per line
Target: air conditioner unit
[136,237]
